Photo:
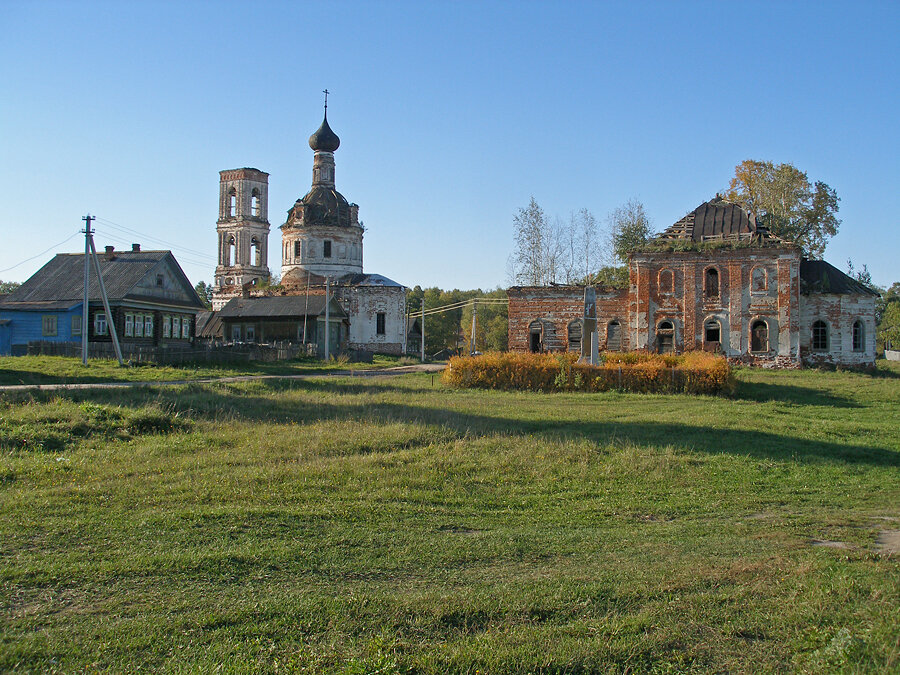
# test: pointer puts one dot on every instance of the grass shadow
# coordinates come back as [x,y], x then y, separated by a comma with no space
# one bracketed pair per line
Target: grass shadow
[254,403]
[790,393]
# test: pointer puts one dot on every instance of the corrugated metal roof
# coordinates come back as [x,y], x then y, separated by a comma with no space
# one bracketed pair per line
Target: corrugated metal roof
[62,278]
[818,276]
[279,307]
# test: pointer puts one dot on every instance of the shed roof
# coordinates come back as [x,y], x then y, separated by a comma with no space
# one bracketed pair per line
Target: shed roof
[279,307]
[62,279]
[818,276]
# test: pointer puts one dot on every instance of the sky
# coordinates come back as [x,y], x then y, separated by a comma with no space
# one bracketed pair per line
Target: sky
[451,115]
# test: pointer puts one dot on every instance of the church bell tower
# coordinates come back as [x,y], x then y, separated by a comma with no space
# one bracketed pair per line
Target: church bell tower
[243,232]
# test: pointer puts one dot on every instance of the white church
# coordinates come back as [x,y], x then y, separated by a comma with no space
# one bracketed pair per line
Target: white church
[322,276]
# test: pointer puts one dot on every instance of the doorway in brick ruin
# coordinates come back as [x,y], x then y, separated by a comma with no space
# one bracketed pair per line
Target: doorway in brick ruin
[535,331]
[665,337]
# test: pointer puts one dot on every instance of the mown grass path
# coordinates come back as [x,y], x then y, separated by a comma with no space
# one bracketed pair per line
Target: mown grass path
[393,525]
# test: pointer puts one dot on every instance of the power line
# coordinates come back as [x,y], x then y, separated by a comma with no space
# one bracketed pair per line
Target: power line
[143,235]
[118,240]
[40,254]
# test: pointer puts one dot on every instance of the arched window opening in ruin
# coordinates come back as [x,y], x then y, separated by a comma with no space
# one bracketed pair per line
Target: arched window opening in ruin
[819,336]
[229,252]
[665,337]
[666,281]
[326,249]
[614,336]
[759,336]
[232,202]
[759,282]
[712,332]
[712,283]
[297,250]
[575,334]
[255,252]
[859,336]
[535,337]
[254,203]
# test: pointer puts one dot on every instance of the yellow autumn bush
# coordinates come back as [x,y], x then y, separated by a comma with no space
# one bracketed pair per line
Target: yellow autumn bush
[645,372]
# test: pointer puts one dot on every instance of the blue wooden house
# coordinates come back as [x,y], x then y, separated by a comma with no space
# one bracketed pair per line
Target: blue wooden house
[151,302]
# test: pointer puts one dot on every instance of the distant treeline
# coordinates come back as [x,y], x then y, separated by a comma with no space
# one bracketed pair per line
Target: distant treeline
[452,329]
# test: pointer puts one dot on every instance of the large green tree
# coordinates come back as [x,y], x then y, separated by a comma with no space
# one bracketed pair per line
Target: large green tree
[887,316]
[785,201]
[629,229]
[205,291]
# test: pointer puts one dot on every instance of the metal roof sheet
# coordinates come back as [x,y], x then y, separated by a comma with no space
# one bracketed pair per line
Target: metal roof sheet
[279,306]
[818,276]
[62,278]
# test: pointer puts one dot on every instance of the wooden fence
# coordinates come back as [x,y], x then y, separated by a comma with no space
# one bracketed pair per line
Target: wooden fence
[169,355]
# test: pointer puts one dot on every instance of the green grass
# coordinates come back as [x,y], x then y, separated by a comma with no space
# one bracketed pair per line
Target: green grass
[16,370]
[392,525]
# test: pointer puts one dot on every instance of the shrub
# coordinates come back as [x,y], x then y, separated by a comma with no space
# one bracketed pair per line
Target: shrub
[692,372]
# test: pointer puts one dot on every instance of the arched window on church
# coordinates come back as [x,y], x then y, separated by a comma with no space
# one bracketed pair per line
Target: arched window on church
[712,283]
[232,202]
[255,252]
[666,281]
[254,203]
[758,280]
[759,336]
[229,252]
[819,341]
[535,337]
[712,333]
[614,336]
[665,337]
[859,336]
[575,336]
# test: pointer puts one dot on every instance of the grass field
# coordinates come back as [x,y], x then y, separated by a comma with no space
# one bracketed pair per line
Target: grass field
[393,525]
[15,370]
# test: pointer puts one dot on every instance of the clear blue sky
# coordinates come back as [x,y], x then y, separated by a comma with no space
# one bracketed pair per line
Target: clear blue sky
[451,116]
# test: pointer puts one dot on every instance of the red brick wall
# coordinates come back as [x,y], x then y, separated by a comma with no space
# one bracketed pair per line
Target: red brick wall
[556,307]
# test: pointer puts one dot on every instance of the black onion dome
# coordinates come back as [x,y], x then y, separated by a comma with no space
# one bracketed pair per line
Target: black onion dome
[324,138]
[320,206]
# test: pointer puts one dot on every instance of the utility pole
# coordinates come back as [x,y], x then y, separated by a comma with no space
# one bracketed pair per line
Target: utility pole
[84,307]
[423,327]
[110,322]
[327,318]
[474,312]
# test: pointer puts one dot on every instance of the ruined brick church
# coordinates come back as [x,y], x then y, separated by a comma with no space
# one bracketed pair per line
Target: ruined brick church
[715,280]
[322,278]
